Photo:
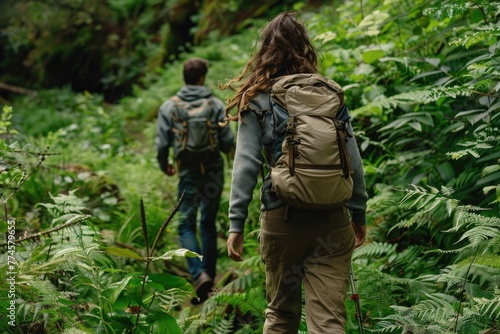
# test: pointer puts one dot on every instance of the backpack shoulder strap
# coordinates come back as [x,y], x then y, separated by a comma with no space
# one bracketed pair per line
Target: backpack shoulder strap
[176,114]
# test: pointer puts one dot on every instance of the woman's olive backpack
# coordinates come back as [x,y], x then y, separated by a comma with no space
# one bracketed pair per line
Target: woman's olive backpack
[310,167]
[195,131]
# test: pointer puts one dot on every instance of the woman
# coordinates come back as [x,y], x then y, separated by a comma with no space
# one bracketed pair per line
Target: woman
[298,247]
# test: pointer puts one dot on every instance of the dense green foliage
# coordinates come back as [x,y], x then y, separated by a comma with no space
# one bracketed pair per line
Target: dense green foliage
[108,46]
[80,180]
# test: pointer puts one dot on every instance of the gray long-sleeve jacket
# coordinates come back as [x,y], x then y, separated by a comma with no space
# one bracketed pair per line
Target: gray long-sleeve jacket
[247,163]
[194,94]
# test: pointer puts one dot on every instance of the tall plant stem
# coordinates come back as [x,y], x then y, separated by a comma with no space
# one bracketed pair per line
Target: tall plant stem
[149,252]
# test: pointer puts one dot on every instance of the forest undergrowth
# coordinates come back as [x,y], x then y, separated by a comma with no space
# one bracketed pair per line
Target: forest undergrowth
[90,221]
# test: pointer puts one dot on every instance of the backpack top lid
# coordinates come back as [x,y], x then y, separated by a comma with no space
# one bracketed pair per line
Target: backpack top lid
[313,90]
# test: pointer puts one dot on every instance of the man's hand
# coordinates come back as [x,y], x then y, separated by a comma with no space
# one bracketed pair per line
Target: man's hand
[235,246]
[170,170]
[359,234]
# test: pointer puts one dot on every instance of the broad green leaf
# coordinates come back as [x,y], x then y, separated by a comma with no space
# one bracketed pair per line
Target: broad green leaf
[487,190]
[492,156]
[118,290]
[375,18]
[423,21]
[169,281]
[123,252]
[476,16]
[396,124]
[121,303]
[495,107]
[490,169]
[177,252]
[135,298]
[416,125]
[372,56]
[326,37]
[473,116]
[422,117]
[490,178]
[433,61]
[425,74]
[168,325]
[446,171]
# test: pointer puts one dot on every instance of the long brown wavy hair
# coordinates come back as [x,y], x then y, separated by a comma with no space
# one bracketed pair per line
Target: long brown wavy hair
[285,49]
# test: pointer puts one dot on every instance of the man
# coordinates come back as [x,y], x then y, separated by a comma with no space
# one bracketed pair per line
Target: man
[201,178]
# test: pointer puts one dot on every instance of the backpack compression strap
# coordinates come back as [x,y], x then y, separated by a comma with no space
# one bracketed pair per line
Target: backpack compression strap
[344,155]
[291,143]
[176,118]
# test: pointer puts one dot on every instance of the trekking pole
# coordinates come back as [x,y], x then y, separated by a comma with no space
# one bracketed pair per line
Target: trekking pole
[355,297]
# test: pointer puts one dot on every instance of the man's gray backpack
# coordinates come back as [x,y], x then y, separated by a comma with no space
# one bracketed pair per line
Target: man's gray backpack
[195,131]
[312,168]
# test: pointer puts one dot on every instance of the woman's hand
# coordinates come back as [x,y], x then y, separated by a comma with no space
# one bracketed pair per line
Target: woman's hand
[359,234]
[235,246]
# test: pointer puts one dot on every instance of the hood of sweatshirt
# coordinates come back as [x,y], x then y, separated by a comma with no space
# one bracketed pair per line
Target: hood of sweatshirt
[191,93]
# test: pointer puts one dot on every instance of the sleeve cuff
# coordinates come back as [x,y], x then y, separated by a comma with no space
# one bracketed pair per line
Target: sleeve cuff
[236,225]
[358,217]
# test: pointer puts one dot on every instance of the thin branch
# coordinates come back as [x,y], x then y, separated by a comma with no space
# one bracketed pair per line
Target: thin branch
[144,227]
[45,154]
[49,231]
[16,89]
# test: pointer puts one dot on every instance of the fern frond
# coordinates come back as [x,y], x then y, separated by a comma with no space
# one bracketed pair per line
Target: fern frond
[65,204]
[438,305]
[419,97]
[252,301]
[480,271]
[375,248]
[419,194]
[378,290]
[253,262]
[445,278]
[68,218]
[460,7]
[75,331]
[484,32]
[224,326]
[466,216]
[478,234]
[192,325]
[242,283]
[172,298]
[490,307]
[390,103]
